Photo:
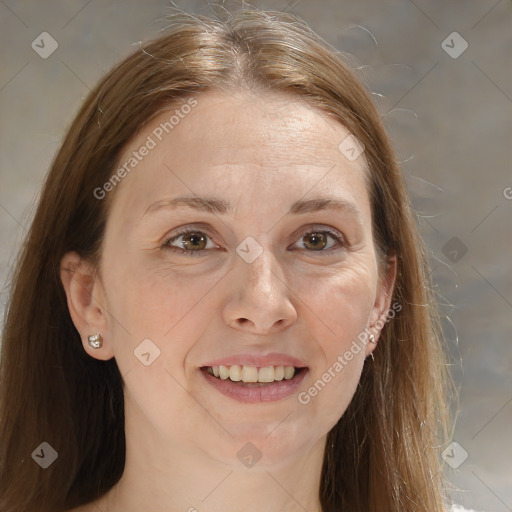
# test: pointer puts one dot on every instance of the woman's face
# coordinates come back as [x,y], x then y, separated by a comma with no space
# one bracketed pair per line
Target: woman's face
[268,262]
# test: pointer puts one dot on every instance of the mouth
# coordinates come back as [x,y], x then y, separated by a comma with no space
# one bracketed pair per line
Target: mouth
[252,374]
[251,384]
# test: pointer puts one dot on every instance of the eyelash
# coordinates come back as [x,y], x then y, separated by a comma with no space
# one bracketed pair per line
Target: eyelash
[338,237]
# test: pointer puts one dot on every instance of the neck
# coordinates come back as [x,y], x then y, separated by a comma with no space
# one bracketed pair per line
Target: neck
[165,476]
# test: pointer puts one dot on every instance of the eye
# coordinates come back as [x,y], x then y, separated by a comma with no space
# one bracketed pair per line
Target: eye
[190,242]
[193,242]
[321,240]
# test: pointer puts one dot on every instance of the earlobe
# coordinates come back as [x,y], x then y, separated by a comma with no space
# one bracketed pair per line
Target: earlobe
[382,304]
[85,303]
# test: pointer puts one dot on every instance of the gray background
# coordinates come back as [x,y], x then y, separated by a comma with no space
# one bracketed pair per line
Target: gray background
[450,120]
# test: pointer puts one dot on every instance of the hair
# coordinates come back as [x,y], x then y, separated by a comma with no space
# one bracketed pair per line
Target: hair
[382,455]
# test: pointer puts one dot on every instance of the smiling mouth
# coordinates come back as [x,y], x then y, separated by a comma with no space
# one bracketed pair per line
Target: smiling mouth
[253,375]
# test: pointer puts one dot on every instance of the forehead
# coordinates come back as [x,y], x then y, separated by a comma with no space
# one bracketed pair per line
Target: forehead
[249,139]
[272,129]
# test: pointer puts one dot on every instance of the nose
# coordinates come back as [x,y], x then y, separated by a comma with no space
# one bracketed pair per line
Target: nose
[259,301]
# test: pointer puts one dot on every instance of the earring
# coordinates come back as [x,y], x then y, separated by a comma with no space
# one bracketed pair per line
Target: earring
[372,340]
[95,340]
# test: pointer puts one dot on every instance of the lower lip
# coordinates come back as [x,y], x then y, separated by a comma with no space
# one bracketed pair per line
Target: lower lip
[255,392]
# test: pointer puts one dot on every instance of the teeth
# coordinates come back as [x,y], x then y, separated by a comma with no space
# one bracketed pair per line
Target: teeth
[279,373]
[249,374]
[245,373]
[224,372]
[235,373]
[266,374]
[289,372]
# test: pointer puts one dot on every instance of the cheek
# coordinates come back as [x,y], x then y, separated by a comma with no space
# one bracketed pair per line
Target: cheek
[171,311]
[167,308]
[336,311]
[338,303]
[153,301]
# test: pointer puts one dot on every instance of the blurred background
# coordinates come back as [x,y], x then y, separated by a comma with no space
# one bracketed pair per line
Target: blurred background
[441,75]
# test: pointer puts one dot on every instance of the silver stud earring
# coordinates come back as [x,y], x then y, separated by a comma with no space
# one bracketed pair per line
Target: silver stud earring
[95,340]
[372,340]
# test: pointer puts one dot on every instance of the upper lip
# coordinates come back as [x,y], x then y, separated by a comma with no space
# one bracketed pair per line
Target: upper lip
[272,359]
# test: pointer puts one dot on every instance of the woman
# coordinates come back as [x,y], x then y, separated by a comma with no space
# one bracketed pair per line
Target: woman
[223,299]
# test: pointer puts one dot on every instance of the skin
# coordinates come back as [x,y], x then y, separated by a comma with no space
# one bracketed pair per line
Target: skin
[261,152]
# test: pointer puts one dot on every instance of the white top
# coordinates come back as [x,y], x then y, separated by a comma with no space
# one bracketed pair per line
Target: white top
[460,508]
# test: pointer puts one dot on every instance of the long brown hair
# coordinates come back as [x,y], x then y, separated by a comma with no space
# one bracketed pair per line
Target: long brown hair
[382,455]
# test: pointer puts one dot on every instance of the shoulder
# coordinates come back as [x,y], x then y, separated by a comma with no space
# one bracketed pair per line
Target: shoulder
[459,508]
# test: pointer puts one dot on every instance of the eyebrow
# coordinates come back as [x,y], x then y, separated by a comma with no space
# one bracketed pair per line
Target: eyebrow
[219,206]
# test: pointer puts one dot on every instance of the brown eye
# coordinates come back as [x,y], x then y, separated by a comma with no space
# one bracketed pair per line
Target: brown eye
[315,241]
[194,241]
[322,241]
[189,242]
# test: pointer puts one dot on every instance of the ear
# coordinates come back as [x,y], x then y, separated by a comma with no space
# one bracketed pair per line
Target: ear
[382,305]
[86,303]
